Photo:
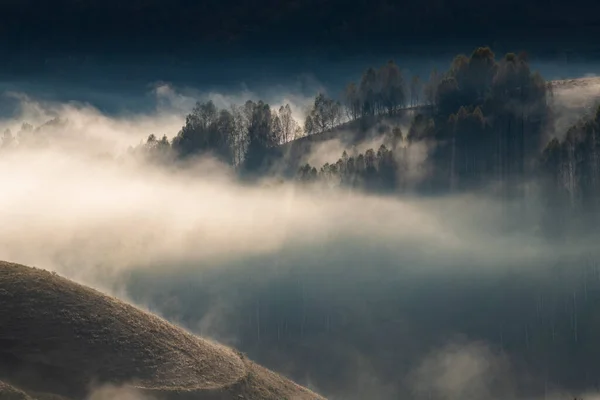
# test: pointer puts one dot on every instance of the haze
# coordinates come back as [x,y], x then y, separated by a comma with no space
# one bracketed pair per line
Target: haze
[194,243]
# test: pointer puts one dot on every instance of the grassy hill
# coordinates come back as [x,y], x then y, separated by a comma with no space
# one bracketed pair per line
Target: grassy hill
[62,338]
[7,392]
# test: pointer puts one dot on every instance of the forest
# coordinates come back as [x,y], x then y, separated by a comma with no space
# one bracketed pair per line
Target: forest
[485,123]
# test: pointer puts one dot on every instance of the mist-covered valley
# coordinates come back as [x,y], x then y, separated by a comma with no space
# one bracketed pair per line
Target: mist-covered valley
[461,261]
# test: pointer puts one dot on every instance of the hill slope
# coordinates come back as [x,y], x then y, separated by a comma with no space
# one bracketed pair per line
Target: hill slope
[572,99]
[8,392]
[63,338]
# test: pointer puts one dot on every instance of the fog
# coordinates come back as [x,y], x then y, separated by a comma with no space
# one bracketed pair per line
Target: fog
[109,392]
[201,248]
[69,209]
[573,100]
[328,148]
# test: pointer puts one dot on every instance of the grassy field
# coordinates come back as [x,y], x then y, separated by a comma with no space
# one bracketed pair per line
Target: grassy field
[63,339]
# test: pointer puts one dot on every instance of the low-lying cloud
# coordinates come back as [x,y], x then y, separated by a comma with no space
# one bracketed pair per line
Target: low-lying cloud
[463,371]
[62,209]
[85,129]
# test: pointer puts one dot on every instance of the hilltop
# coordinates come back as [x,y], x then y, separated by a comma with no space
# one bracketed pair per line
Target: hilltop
[62,338]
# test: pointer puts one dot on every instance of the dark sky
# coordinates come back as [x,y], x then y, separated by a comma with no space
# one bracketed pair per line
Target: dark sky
[274,26]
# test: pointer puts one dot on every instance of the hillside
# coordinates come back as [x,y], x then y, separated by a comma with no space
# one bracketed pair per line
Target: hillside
[8,392]
[294,154]
[62,338]
[573,98]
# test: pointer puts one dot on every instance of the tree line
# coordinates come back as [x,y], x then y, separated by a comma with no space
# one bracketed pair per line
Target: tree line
[240,136]
[244,136]
[486,120]
[571,166]
[247,135]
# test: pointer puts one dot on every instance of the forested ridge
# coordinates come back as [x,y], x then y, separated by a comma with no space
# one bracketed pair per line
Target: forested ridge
[485,122]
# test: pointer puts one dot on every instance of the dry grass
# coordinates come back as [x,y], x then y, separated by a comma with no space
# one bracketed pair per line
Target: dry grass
[63,338]
[8,392]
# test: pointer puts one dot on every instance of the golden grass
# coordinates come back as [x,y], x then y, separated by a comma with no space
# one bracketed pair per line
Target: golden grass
[63,338]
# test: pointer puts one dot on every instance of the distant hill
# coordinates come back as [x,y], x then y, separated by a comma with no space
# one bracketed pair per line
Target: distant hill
[61,338]
[573,99]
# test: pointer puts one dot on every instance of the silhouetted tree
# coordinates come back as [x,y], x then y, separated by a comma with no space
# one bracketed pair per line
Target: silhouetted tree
[369,92]
[156,150]
[206,130]
[352,102]
[432,86]
[261,139]
[421,128]
[325,114]
[309,126]
[389,93]
[290,129]
[415,90]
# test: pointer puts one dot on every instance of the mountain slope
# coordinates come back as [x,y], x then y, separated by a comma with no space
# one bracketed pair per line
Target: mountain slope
[63,338]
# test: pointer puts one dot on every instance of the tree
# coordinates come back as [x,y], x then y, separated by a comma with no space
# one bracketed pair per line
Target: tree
[325,114]
[369,92]
[289,127]
[551,160]
[206,130]
[481,70]
[432,86]
[448,96]
[309,126]
[387,168]
[352,101]
[239,135]
[222,132]
[320,112]
[415,90]
[459,70]
[277,128]
[390,88]
[421,128]
[261,139]
[469,146]
[156,150]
